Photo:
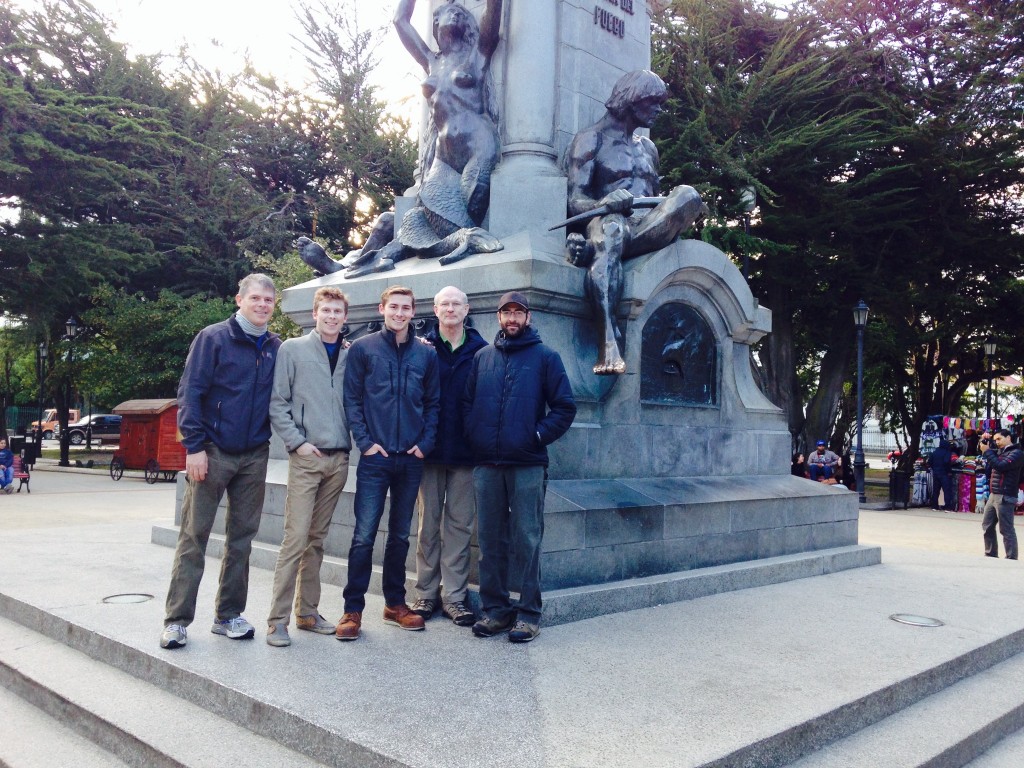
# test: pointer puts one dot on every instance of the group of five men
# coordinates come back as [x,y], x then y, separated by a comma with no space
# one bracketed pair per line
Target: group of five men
[459,425]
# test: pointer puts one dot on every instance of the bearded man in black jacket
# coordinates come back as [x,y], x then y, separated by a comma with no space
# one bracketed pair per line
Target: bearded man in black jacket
[517,401]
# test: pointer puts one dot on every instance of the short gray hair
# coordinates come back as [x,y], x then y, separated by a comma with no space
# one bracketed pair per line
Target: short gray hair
[465,298]
[256,279]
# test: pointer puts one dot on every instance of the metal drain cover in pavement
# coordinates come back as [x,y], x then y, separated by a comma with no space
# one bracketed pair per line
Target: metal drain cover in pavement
[130,597]
[916,621]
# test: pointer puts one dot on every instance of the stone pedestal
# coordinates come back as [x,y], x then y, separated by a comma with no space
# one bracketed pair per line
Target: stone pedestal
[646,481]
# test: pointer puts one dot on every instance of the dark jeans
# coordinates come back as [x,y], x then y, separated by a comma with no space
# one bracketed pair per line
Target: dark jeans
[510,514]
[944,482]
[400,474]
[243,476]
[820,470]
[1000,507]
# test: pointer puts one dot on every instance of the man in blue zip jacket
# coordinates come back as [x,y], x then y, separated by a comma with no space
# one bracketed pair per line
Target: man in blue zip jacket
[224,420]
[446,502]
[518,400]
[391,403]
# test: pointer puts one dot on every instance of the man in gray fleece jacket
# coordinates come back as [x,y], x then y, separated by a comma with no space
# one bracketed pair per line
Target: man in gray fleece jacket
[307,412]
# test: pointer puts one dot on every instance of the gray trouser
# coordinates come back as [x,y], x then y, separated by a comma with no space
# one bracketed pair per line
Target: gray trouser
[314,485]
[510,511]
[1001,508]
[447,508]
[243,476]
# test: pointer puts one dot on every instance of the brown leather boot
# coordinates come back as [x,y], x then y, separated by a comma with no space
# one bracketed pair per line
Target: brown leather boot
[401,616]
[348,627]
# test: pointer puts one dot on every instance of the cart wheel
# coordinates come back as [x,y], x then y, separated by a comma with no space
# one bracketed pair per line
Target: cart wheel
[116,468]
[152,471]
[169,476]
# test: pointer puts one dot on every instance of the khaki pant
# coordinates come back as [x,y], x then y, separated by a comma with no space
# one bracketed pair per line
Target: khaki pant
[447,507]
[243,476]
[314,485]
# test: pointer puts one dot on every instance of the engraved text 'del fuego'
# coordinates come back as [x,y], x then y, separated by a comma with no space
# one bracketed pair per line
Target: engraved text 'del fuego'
[609,22]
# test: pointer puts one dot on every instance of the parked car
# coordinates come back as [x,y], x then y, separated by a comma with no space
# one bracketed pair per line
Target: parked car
[105,427]
[50,421]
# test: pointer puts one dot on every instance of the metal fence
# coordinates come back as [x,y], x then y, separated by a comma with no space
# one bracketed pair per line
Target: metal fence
[18,418]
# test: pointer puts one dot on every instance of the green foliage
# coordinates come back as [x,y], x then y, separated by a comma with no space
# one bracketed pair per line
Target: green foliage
[135,347]
[883,139]
[134,197]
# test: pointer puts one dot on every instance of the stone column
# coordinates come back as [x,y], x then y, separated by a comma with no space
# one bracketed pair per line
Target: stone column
[528,191]
[530,71]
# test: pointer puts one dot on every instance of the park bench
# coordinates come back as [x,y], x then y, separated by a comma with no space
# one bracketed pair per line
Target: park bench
[22,473]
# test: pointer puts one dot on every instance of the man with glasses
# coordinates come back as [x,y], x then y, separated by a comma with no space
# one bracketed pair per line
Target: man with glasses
[446,503]
[517,401]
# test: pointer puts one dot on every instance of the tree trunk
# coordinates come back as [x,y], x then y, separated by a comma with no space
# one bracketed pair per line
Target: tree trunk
[821,412]
[780,371]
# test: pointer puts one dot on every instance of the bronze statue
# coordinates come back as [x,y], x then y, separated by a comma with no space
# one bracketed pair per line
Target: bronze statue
[461,147]
[612,173]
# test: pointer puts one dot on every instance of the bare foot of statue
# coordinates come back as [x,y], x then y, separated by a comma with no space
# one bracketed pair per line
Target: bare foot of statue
[611,362]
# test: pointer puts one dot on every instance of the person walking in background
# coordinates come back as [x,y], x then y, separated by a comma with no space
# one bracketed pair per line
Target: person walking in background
[224,420]
[822,464]
[446,502]
[307,411]
[391,402]
[517,401]
[1004,460]
[941,462]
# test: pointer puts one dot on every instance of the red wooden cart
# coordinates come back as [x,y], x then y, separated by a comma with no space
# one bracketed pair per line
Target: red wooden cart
[149,440]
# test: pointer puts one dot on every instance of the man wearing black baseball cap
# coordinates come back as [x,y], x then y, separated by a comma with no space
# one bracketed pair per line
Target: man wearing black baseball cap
[517,401]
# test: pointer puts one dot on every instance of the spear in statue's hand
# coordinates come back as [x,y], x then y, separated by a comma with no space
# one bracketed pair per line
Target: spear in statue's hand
[602,210]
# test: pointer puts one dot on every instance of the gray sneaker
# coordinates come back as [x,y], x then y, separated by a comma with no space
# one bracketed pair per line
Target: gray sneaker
[460,615]
[488,627]
[277,636]
[236,629]
[523,632]
[424,607]
[315,623]
[174,636]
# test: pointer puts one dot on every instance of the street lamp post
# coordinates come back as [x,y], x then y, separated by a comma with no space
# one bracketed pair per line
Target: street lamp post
[41,352]
[748,202]
[990,350]
[860,319]
[70,331]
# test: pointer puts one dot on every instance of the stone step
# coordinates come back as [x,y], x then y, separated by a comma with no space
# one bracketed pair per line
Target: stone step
[944,716]
[1005,754]
[116,719]
[29,738]
[950,728]
[586,602]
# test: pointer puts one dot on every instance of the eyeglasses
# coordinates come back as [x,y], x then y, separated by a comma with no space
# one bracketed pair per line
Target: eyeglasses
[518,314]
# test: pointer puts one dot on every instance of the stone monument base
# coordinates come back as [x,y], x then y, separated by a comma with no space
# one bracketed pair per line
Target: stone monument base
[616,545]
[678,466]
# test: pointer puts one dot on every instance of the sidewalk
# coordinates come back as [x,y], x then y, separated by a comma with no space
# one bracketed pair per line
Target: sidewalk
[684,684]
